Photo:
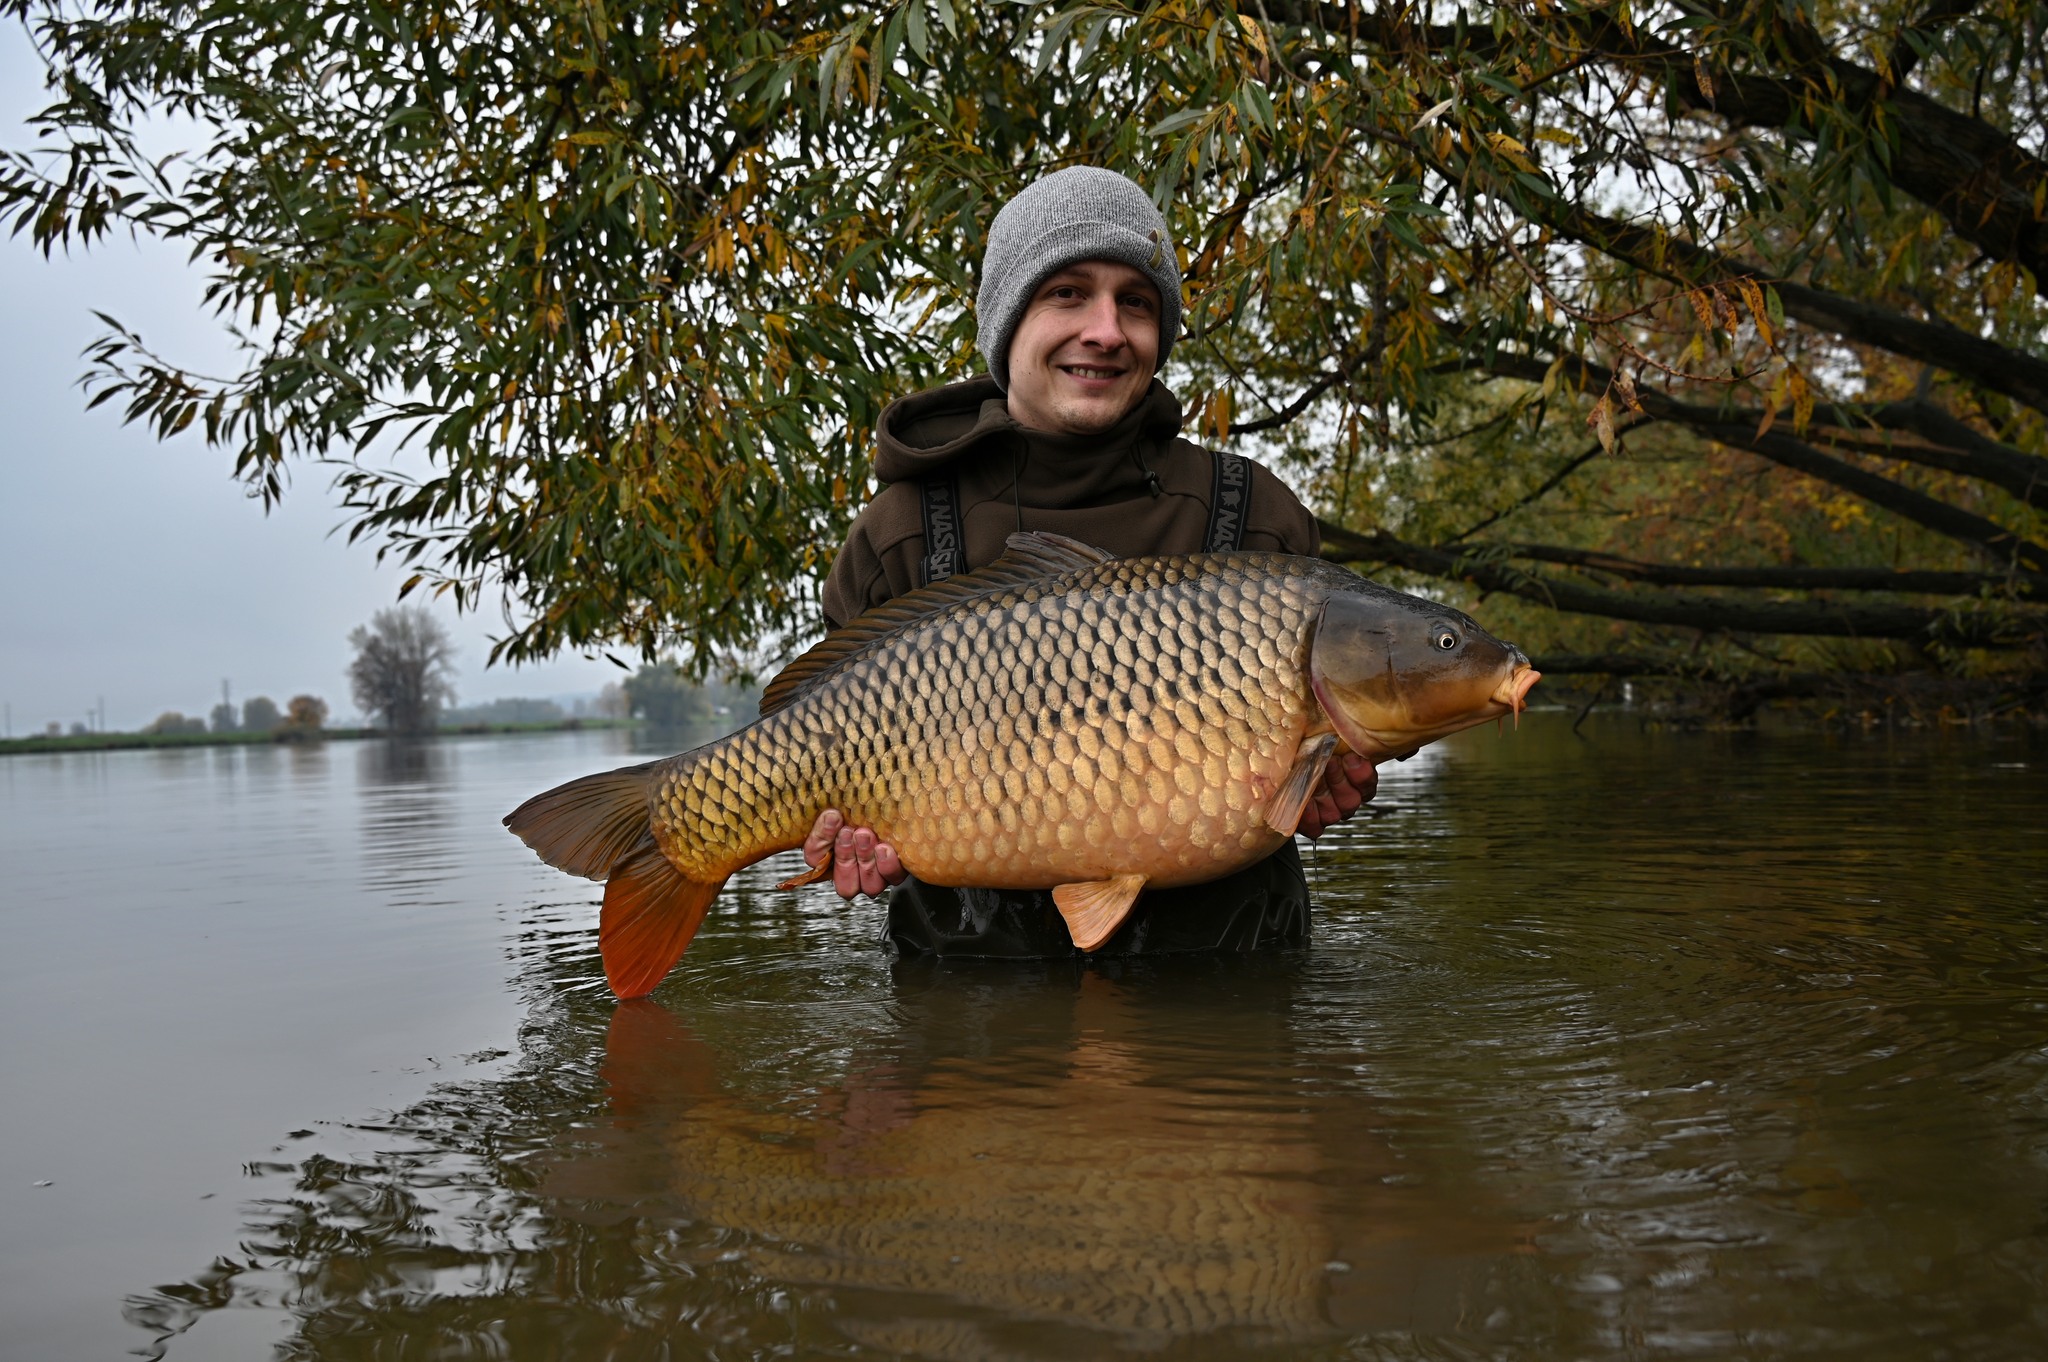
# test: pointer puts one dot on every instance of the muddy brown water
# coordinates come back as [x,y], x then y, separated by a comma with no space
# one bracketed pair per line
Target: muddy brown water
[1632,1045]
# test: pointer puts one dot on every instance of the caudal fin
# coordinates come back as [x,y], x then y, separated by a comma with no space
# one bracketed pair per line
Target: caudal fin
[597,827]
[651,910]
[587,826]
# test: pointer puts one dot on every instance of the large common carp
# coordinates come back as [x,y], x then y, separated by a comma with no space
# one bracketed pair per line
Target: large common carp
[1060,719]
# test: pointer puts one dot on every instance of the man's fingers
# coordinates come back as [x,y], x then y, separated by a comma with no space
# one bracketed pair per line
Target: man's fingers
[1342,793]
[823,833]
[864,859]
[1363,775]
[1318,815]
[845,874]
[1348,781]
[862,863]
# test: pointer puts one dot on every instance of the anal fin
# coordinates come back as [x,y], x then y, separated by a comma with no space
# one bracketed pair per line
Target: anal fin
[1283,811]
[1094,909]
[651,910]
[811,874]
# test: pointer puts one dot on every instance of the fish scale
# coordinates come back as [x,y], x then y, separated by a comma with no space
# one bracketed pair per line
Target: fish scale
[1059,719]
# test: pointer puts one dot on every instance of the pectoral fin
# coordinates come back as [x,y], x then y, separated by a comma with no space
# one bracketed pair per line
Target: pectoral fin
[1094,909]
[1283,812]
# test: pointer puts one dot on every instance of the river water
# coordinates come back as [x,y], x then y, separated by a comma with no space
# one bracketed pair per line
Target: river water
[1612,1045]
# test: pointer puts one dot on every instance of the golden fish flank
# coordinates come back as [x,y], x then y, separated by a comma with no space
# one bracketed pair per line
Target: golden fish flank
[1058,720]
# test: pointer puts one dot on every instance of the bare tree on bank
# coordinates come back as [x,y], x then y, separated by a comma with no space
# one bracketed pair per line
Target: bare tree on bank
[404,668]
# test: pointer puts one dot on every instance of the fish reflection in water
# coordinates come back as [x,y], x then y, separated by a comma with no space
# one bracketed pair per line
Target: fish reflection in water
[993,1173]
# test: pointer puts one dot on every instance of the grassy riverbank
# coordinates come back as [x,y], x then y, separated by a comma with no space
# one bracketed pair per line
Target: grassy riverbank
[104,742]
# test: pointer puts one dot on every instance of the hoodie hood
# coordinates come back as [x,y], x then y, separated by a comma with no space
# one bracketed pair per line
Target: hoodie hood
[925,432]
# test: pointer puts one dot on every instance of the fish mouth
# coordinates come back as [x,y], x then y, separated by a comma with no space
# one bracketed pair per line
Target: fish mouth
[1511,697]
[1514,689]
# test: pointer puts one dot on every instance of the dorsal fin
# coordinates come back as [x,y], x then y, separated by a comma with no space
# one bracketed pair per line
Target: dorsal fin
[1026,558]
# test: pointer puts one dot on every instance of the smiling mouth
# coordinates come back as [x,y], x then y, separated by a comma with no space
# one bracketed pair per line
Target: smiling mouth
[1090,372]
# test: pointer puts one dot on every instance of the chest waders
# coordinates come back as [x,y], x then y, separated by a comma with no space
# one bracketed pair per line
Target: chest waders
[1262,906]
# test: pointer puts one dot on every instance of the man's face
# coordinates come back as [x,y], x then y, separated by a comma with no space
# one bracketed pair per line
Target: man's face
[1085,351]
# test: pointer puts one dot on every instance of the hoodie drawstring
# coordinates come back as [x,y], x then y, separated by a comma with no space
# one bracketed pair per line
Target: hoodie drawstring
[1151,478]
[1017,480]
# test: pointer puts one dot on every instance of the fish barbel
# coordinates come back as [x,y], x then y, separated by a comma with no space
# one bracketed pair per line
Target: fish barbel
[1060,719]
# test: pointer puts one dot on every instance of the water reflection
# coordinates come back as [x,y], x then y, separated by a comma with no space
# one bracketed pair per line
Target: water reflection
[1664,1045]
[1059,1149]
[407,807]
[383,762]
[1008,1163]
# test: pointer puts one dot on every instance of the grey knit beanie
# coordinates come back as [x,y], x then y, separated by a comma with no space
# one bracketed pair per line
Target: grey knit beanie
[1080,213]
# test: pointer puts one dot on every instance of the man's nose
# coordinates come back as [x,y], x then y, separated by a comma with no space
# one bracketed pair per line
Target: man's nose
[1100,325]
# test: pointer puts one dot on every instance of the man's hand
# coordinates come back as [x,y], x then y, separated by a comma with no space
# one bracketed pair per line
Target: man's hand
[861,862]
[1348,781]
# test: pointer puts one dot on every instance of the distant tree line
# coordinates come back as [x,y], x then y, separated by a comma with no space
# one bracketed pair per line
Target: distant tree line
[402,676]
[663,694]
[303,715]
[505,711]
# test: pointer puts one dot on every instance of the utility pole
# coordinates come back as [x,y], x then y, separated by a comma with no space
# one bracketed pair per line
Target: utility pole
[103,713]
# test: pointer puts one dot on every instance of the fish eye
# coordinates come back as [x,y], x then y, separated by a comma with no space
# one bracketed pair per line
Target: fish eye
[1446,640]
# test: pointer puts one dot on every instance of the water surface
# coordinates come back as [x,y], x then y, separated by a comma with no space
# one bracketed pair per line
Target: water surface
[1637,1045]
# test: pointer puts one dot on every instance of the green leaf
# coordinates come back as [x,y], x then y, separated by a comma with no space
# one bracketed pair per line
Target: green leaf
[920,41]
[1176,121]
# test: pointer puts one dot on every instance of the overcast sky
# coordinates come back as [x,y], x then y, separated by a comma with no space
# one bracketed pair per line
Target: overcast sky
[139,571]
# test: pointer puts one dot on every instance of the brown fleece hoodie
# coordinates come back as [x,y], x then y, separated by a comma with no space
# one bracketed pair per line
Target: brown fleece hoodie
[1089,487]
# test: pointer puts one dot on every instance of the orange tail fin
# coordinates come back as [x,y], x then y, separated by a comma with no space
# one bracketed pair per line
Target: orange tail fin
[651,910]
[598,827]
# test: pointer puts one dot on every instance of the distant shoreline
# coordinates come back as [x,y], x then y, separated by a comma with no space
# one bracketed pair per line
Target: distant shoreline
[109,742]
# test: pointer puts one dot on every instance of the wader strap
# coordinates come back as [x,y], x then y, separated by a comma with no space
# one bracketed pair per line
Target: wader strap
[944,554]
[1228,499]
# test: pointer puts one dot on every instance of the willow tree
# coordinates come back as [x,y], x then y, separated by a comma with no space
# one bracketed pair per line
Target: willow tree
[1699,329]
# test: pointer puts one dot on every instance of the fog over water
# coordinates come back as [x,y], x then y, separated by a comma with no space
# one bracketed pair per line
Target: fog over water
[138,571]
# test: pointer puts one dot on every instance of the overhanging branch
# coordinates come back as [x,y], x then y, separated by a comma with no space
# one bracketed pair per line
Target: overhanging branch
[1781,578]
[2000,544]
[1986,363]
[1709,613]
[1977,177]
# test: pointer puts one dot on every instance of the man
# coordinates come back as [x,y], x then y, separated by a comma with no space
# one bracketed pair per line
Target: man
[1069,432]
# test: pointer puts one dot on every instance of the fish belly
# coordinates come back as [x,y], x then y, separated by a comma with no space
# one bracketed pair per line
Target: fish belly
[1148,799]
